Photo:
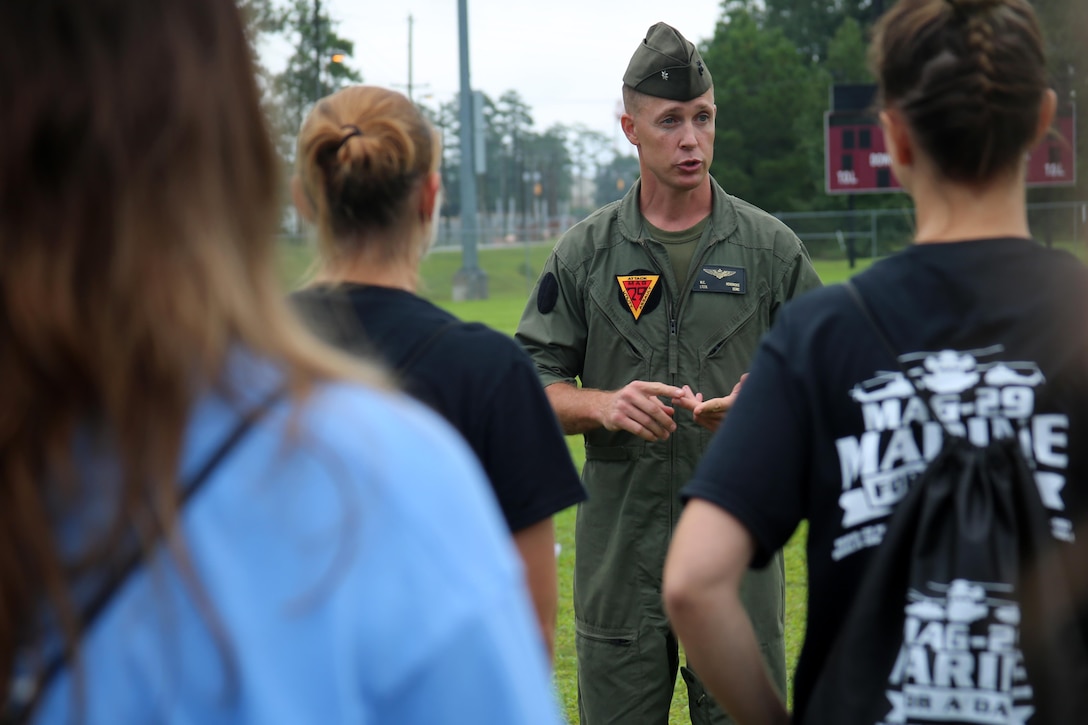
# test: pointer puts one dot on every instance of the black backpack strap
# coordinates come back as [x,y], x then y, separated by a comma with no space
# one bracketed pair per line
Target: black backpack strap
[877,328]
[23,697]
[923,392]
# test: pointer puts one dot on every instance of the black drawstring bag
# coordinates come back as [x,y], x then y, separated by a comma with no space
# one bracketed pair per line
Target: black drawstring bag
[965,613]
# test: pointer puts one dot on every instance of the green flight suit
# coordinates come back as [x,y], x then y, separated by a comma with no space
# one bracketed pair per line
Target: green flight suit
[701,331]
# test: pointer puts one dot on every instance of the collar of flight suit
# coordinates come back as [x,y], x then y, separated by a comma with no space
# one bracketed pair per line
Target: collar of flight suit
[723,214]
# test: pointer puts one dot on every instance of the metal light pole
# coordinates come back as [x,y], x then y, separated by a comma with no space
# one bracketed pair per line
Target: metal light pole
[410,21]
[470,282]
[317,50]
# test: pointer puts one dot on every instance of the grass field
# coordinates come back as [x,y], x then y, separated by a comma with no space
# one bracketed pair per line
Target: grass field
[512,273]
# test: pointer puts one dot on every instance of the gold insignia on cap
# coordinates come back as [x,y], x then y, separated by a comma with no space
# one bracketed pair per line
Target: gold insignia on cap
[664,75]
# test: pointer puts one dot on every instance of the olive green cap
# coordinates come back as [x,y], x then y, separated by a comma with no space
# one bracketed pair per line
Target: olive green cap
[667,65]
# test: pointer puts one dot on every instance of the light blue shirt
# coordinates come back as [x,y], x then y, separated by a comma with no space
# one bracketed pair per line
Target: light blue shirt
[350,567]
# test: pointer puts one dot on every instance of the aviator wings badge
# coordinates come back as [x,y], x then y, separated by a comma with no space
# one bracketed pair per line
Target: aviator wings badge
[720,278]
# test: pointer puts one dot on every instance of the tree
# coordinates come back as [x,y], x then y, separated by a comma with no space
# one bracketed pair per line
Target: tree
[589,150]
[316,68]
[548,160]
[615,178]
[811,24]
[521,164]
[846,55]
[770,102]
[509,122]
[448,122]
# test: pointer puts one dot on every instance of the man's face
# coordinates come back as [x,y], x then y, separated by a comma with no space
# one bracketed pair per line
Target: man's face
[675,138]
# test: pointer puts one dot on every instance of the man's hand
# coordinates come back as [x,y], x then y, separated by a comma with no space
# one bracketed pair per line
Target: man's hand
[708,413]
[638,409]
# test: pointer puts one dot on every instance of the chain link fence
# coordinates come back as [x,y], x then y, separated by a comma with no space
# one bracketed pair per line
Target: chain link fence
[827,235]
[879,232]
[496,230]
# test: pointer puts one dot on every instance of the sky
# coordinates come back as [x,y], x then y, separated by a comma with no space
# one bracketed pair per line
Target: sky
[565,58]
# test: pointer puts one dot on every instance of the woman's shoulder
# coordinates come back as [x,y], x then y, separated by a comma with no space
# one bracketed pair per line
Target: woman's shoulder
[473,349]
[340,415]
[365,437]
[371,465]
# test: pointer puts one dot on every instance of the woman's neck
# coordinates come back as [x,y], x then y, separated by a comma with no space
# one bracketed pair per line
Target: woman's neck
[368,267]
[951,212]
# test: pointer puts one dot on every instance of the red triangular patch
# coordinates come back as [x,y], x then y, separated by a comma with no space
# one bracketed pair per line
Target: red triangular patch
[636,290]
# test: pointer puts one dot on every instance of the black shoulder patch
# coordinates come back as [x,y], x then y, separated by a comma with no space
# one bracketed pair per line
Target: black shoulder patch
[547,294]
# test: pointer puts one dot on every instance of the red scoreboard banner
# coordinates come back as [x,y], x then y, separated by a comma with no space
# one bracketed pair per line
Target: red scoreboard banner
[856,161]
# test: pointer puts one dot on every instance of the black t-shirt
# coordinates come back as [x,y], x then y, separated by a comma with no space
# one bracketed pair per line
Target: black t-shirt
[827,429]
[480,380]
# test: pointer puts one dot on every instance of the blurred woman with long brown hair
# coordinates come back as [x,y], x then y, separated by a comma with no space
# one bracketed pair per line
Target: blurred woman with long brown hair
[206,515]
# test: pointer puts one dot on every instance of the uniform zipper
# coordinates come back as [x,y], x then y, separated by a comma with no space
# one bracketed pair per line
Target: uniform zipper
[688,282]
[672,349]
[673,353]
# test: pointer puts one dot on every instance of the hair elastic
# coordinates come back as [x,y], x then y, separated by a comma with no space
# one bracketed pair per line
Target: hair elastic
[353,132]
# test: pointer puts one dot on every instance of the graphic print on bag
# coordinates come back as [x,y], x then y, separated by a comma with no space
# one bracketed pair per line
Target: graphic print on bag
[978,396]
[960,660]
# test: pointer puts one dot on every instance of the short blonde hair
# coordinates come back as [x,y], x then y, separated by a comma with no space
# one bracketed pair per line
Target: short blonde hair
[362,152]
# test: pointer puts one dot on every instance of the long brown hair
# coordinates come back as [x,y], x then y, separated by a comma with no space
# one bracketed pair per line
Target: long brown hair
[362,152]
[138,207]
[968,75]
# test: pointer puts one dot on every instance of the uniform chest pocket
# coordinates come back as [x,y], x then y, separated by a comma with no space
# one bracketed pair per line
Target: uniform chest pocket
[620,348]
[736,320]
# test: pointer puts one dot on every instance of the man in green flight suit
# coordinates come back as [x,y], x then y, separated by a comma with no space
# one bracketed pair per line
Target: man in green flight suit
[655,303]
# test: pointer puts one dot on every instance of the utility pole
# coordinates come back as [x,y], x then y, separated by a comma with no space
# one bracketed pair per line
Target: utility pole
[410,58]
[470,282]
[411,86]
[317,50]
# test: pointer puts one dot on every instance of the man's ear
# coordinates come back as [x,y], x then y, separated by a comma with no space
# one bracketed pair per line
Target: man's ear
[301,200]
[429,195]
[627,123]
